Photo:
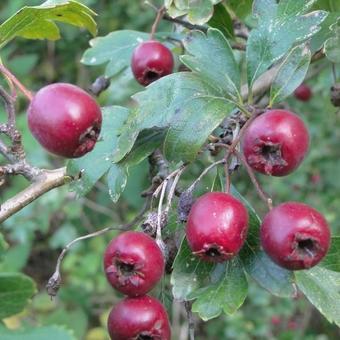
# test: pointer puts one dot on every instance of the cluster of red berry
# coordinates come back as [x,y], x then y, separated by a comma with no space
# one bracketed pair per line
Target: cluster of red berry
[67,122]
[133,265]
[293,234]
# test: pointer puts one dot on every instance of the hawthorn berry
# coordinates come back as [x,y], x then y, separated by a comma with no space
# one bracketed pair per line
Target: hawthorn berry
[133,263]
[276,142]
[140,318]
[65,120]
[303,93]
[151,60]
[217,226]
[295,236]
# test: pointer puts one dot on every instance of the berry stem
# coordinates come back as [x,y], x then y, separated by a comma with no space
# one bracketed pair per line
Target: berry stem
[254,180]
[159,16]
[14,80]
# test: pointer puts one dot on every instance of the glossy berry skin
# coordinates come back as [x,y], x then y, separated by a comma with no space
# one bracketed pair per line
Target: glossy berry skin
[139,318]
[133,263]
[276,143]
[151,60]
[295,236]
[217,226]
[303,93]
[65,120]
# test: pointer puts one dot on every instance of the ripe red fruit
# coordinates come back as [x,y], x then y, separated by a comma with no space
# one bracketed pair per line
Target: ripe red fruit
[217,226]
[295,236]
[276,143]
[65,120]
[139,318]
[133,263]
[151,60]
[303,93]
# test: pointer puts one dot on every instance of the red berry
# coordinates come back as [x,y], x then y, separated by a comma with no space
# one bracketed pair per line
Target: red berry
[217,226]
[133,263]
[276,143]
[303,93]
[139,318]
[65,120]
[151,60]
[295,236]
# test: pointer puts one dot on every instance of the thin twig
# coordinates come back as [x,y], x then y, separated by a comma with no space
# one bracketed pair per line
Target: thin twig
[54,282]
[204,172]
[254,180]
[160,13]
[16,82]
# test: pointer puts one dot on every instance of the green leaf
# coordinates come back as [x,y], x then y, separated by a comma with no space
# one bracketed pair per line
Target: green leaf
[15,291]
[147,142]
[194,122]
[226,293]
[3,246]
[37,22]
[41,333]
[116,49]
[322,289]
[318,40]
[332,45]
[257,264]
[222,21]
[280,26]
[241,8]
[197,11]
[332,259]
[189,272]
[96,163]
[290,74]
[223,73]
[162,105]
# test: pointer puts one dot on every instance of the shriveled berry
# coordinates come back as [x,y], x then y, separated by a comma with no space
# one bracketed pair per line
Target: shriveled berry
[217,226]
[133,263]
[276,143]
[150,61]
[303,93]
[295,236]
[140,318]
[65,120]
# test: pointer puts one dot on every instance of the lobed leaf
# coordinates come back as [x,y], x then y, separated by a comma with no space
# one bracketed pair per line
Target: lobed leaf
[280,26]
[322,288]
[332,259]
[226,293]
[38,22]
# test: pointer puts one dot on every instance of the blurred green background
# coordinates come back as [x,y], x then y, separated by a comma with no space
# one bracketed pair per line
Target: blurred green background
[38,233]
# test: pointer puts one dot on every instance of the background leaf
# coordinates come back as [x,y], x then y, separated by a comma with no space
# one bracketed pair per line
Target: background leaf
[37,22]
[15,291]
[291,74]
[322,289]
[40,333]
[198,11]
[222,21]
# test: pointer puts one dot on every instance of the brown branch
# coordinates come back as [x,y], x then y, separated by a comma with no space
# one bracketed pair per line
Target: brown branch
[46,181]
